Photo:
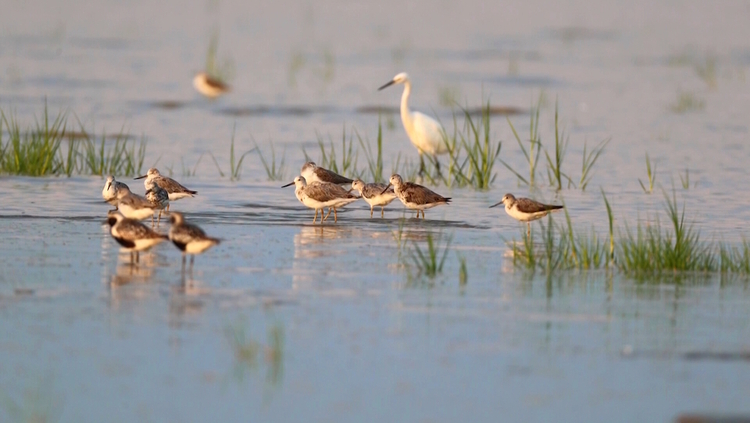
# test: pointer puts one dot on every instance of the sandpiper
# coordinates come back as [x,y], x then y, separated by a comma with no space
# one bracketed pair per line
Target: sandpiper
[175,190]
[525,209]
[319,195]
[111,187]
[132,234]
[133,206]
[314,173]
[374,194]
[415,196]
[208,86]
[189,238]
[158,197]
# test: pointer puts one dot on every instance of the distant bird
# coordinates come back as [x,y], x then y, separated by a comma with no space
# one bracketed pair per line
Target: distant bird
[133,206]
[424,132]
[319,195]
[374,194]
[525,209]
[189,238]
[174,189]
[132,235]
[314,173]
[208,86]
[111,187]
[415,196]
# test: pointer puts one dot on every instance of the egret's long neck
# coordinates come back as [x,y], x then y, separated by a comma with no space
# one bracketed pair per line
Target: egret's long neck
[405,112]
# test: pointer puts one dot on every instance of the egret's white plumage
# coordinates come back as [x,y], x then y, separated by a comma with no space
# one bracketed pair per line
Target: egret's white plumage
[425,133]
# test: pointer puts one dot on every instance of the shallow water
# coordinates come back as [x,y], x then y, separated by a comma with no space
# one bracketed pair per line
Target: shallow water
[287,321]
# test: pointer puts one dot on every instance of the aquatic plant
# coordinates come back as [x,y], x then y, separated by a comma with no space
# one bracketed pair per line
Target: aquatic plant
[535,145]
[235,165]
[554,166]
[687,102]
[374,161]
[588,162]
[38,150]
[274,171]
[347,165]
[430,262]
[651,173]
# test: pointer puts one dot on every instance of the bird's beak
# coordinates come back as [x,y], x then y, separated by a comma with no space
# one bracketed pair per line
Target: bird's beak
[141,177]
[386,189]
[387,85]
[109,185]
[495,205]
[290,183]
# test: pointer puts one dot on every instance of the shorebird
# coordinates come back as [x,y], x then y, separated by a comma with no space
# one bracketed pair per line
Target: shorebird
[174,189]
[525,209]
[427,135]
[374,195]
[111,187]
[319,195]
[208,86]
[133,206]
[415,196]
[314,173]
[158,197]
[189,238]
[132,235]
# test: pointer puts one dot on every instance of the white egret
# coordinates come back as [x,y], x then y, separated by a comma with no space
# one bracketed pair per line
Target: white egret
[424,132]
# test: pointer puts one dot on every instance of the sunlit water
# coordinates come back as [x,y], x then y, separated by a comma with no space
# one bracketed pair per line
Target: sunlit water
[286,321]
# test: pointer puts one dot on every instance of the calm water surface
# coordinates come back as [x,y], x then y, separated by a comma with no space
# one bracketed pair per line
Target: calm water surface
[286,321]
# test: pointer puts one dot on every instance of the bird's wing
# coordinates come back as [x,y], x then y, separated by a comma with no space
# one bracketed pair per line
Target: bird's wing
[132,230]
[527,205]
[170,185]
[429,129]
[373,190]
[418,194]
[186,233]
[135,201]
[329,176]
[324,191]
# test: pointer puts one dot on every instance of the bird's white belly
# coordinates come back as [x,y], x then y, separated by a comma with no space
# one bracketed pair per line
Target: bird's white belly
[380,199]
[204,88]
[133,213]
[174,196]
[197,247]
[524,217]
[146,243]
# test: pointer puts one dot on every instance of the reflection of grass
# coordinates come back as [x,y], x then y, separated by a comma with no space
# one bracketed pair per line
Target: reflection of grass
[38,150]
[687,102]
[246,351]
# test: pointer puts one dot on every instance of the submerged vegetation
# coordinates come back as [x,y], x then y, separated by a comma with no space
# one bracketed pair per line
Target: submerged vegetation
[49,147]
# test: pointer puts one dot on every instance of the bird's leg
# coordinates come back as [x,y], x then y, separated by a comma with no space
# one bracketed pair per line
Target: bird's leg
[152,220]
[316,216]
[159,219]
[168,207]
[335,216]
[137,256]
[183,262]
[371,207]
[382,212]
[327,214]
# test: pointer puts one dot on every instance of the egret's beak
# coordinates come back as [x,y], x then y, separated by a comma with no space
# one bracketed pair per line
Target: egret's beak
[495,205]
[141,177]
[289,184]
[387,85]
[386,189]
